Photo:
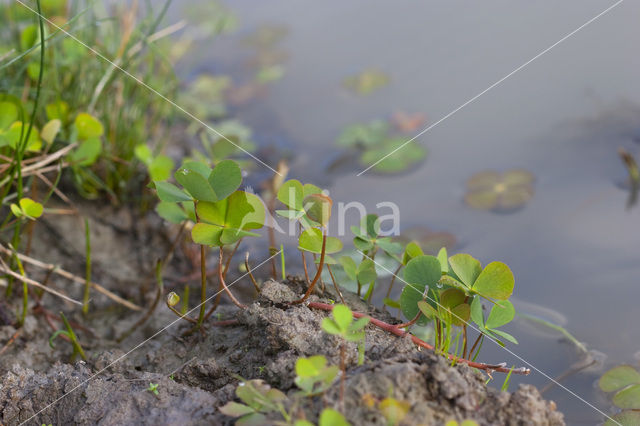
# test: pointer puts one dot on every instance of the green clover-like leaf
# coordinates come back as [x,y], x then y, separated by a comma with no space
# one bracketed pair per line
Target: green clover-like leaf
[495,281]
[88,127]
[311,241]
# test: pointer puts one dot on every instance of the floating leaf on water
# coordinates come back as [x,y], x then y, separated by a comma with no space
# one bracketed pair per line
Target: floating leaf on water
[408,123]
[266,36]
[393,155]
[267,58]
[496,191]
[367,81]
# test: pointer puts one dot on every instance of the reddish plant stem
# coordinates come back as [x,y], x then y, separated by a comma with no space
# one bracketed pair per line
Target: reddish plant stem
[475,344]
[318,273]
[224,284]
[393,329]
[304,266]
[253,280]
[410,323]
[226,266]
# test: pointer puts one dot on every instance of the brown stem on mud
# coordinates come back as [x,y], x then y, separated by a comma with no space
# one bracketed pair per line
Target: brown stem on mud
[253,280]
[393,329]
[318,273]
[224,284]
[335,284]
[410,323]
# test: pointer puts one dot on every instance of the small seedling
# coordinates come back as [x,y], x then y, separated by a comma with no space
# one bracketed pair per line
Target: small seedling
[313,376]
[394,411]
[259,399]
[27,209]
[343,325]
[77,349]
[153,388]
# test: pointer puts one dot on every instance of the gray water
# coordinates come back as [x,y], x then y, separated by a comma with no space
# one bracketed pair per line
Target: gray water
[574,248]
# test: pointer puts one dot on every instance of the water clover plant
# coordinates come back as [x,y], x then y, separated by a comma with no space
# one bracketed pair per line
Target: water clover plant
[374,140]
[499,192]
[450,292]
[224,215]
[366,82]
[311,209]
[368,241]
[624,382]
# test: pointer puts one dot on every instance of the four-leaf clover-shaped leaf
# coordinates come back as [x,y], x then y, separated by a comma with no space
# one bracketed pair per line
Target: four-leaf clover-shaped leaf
[495,281]
[420,274]
[501,313]
[293,194]
[226,221]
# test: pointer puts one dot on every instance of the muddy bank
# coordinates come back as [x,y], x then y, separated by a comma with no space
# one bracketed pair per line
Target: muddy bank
[196,375]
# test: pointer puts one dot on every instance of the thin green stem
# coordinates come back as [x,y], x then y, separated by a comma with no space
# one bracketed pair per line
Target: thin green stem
[77,349]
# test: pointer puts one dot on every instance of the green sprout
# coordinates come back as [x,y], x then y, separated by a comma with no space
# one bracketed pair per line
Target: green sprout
[343,326]
[153,388]
[394,411]
[368,241]
[259,399]
[313,376]
[71,335]
[27,209]
[624,382]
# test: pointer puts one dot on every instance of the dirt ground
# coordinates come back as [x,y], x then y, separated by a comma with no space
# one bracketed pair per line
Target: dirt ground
[198,374]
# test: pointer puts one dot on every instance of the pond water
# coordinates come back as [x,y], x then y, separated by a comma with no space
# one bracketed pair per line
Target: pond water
[574,248]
